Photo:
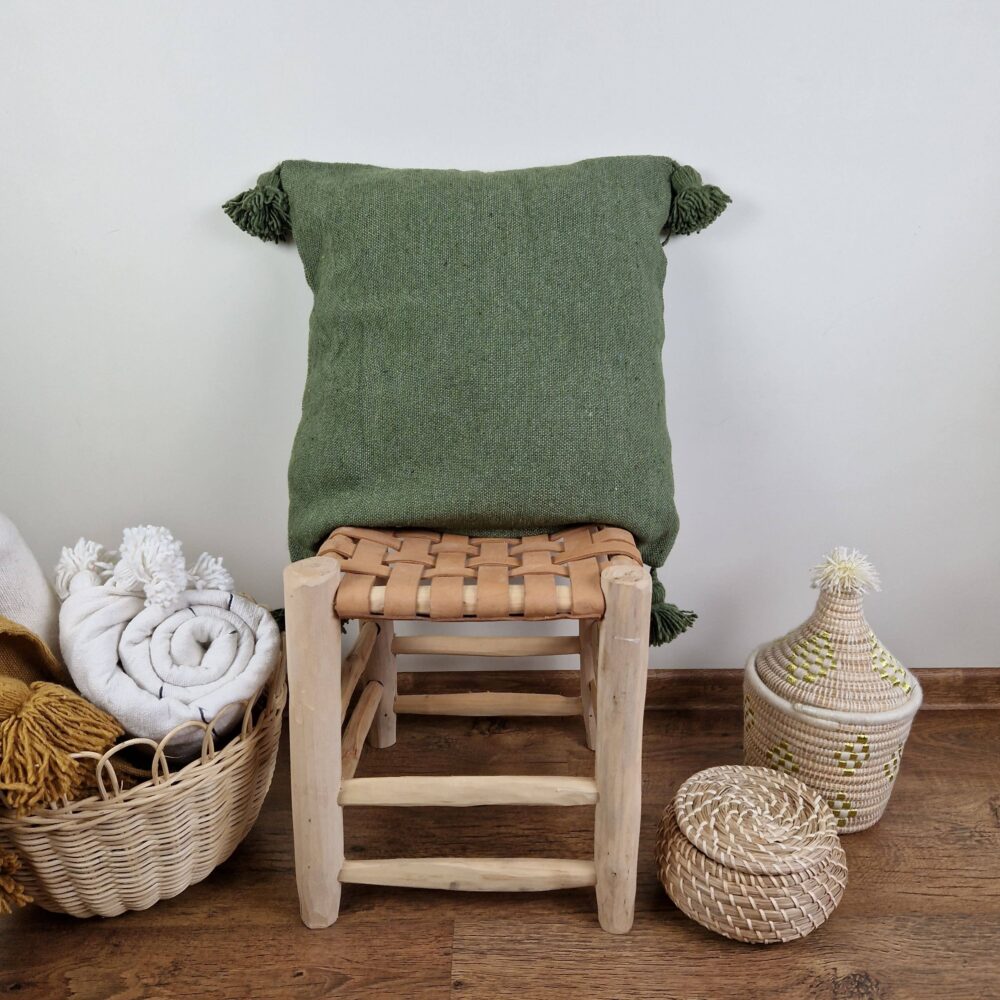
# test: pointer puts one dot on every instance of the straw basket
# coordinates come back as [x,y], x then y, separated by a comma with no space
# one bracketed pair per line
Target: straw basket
[126,849]
[829,704]
[751,854]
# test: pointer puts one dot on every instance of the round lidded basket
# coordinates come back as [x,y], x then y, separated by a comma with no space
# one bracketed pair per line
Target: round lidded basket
[126,848]
[828,703]
[751,854]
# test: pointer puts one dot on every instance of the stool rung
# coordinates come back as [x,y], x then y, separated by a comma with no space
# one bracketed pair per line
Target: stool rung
[356,730]
[473,874]
[488,703]
[472,790]
[355,663]
[487,645]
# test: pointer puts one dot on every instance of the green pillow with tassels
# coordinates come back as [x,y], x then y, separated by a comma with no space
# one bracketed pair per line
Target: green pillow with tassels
[484,348]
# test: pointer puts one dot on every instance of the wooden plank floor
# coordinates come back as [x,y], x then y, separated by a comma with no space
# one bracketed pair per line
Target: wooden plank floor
[921,917]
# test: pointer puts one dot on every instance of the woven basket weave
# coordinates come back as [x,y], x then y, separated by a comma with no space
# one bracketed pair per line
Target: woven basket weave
[829,704]
[128,848]
[751,854]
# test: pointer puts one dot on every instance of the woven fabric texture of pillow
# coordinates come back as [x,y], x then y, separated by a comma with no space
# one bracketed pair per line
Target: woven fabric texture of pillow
[485,348]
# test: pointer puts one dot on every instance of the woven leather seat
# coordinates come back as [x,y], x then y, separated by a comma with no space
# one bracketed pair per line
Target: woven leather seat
[414,574]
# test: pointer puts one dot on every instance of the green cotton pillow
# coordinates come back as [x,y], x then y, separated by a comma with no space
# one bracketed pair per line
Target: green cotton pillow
[484,348]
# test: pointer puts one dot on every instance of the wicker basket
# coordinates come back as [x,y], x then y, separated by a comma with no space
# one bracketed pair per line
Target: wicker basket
[128,848]
[751,854]
[829,704]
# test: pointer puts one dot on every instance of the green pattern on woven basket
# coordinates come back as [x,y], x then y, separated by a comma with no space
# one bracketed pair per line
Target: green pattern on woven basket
[891,767]
[811,658]
[781,758]
[888,668]
[842,808]
[854,756]
[749,718]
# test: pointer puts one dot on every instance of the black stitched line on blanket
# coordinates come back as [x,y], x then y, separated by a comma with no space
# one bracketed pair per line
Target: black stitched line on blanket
[201,712]
[229,606]
[160,695]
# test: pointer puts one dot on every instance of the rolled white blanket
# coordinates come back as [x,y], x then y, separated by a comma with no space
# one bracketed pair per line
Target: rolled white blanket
[155,655]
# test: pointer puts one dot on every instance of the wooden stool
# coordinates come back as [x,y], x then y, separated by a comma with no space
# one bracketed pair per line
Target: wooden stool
[592,574]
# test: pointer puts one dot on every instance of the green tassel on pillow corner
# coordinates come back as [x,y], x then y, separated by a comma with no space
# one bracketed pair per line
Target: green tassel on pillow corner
[263,211]
[693,205]
[666,621]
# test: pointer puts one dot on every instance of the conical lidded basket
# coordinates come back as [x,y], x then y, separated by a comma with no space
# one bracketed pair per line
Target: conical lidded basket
[829,703]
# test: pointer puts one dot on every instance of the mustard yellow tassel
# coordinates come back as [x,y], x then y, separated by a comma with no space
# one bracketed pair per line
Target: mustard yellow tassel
[11,891]
[40,726]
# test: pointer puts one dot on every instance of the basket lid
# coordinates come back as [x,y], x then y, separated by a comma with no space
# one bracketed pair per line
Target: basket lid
[756,820]
[834,660]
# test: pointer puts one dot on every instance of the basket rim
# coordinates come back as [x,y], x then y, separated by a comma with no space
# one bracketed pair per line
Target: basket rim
[829,718]
[96,808]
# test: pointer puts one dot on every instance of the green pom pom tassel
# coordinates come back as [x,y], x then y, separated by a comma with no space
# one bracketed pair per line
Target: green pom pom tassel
[666,621]
[263,210]
[693,205]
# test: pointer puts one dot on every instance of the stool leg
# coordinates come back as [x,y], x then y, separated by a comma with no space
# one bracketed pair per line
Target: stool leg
[382,668]
[313,659]
[623,659]
[590,632]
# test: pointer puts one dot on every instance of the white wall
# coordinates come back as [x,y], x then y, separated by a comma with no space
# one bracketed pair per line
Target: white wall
[833,354]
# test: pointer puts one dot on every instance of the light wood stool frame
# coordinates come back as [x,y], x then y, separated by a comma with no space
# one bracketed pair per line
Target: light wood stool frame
[614,656]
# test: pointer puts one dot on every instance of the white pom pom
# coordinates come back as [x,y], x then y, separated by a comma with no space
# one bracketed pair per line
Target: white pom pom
[846,571]
[150,562]
[88,560]
[208,573]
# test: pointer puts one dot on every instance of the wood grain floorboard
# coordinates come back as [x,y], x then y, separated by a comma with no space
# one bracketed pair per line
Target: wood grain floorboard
[669,957]
[210,960]
[921,917]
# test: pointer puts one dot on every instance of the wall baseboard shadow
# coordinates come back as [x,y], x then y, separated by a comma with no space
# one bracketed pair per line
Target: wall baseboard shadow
[947,688]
